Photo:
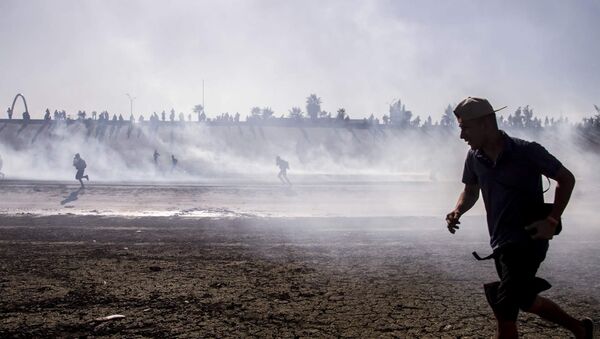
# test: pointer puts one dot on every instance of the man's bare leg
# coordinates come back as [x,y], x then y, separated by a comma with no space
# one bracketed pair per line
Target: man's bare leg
[550,311]
[280,176]
[507,329]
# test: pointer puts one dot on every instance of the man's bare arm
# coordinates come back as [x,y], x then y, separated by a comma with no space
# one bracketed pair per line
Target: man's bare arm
[565,183]
[545,228]
[468,197]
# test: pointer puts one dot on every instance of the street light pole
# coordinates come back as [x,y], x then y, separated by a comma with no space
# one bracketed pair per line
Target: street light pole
[130,103]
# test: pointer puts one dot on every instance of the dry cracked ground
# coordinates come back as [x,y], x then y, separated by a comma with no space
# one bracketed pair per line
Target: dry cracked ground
[253,277]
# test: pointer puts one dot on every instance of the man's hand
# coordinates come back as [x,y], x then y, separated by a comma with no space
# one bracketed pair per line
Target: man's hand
[542,229]
[452,220]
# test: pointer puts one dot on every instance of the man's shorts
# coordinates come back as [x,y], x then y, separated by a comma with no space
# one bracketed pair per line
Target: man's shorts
[79,174]
[518,287]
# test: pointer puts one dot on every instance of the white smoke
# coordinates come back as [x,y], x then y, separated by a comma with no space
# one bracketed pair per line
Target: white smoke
[123,152]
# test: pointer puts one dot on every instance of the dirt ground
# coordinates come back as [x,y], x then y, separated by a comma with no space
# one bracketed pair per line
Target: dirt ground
[264,277]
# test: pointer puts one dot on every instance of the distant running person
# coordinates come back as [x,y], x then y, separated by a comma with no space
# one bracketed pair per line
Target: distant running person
[80,165]
[155,157]
[283,167]
[174,162]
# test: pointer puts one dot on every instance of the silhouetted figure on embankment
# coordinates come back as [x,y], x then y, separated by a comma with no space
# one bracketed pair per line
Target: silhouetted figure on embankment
[155,156]
[80,166]
[283,167]
[174,162]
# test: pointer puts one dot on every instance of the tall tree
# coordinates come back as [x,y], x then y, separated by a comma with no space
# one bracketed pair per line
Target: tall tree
[428,122]
[267,112]
[255,113]
[528,120]
[313,106]
[295,113]
[517,119]
[448,119]
[416,122]
[198,109]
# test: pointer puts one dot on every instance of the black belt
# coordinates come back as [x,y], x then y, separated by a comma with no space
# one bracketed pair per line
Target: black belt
[488,257]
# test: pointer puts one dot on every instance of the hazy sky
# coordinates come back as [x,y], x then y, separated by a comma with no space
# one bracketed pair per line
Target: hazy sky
[359,55]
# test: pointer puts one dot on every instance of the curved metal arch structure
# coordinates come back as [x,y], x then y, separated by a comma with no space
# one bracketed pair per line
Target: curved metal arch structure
[12,108]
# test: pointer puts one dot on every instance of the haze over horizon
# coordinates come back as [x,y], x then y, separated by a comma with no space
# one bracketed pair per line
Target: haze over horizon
[357,55]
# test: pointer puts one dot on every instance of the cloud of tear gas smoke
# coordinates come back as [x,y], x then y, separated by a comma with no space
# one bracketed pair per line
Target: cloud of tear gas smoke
[119,153]
[124,152]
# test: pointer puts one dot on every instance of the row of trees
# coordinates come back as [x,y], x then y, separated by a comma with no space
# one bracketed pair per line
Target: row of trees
[593,122]
[398,115]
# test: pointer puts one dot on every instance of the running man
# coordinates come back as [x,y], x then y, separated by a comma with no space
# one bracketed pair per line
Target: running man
[508,172]
[283,167]
[174,162]
[155,157]
[80,165]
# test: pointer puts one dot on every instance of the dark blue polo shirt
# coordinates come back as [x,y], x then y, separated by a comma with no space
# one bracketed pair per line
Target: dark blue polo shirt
[512,187]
